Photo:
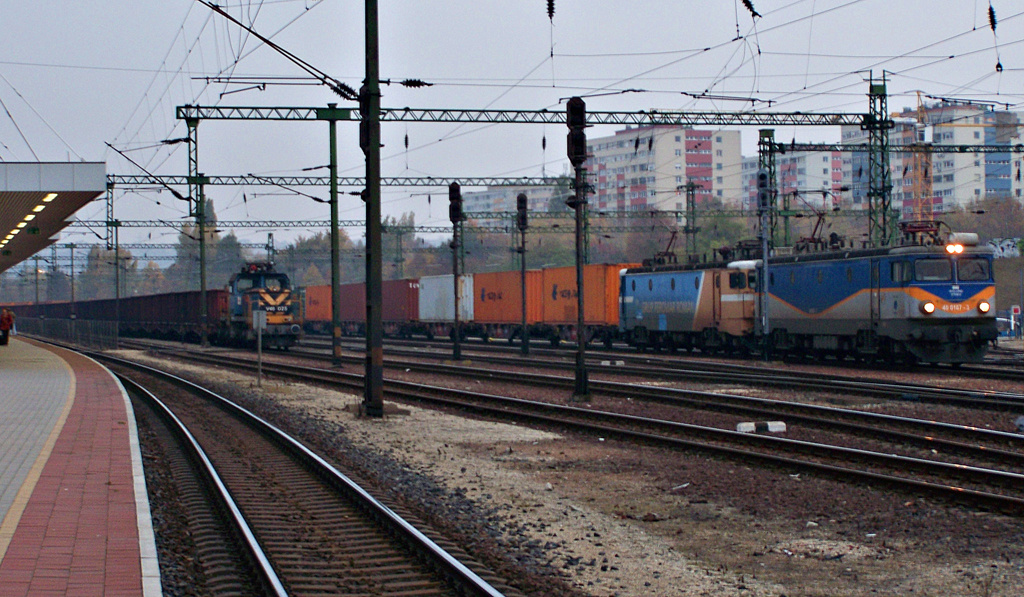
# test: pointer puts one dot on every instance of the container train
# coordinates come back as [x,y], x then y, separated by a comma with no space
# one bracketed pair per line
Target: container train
[490,305]
[177,315]
[931,302]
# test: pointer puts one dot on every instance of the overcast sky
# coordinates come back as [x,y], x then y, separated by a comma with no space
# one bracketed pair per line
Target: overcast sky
[77,75]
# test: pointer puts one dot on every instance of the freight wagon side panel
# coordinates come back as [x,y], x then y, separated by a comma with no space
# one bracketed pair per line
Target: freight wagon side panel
[498,297]
[600,294]
[318,303]
[353,302]
[401,300]
[437,298]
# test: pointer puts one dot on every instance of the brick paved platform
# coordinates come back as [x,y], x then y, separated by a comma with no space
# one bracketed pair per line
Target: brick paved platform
[74,516]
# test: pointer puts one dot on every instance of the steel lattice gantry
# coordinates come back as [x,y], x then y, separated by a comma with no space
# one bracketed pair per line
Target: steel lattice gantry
[117,180]
[193,114]
[640,118]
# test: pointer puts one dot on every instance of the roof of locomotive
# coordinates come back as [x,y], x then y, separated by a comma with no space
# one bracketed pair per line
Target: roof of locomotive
[937,250]
[258,269]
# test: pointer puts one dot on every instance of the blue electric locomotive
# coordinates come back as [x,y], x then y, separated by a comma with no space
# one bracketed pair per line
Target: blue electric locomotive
[932,303]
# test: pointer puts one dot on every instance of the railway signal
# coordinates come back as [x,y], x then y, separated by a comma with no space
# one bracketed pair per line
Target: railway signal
[764,196]
[455,213]
[576,142]
[576,148]
[521,206]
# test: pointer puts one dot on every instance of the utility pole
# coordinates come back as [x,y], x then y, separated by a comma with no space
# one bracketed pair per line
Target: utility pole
[522,204]
[117,285]
[369,139]
[335,245]
[882,222]
[203,314]
[74,316]
[576,119]
[456,216]
[764,207]
[37,281]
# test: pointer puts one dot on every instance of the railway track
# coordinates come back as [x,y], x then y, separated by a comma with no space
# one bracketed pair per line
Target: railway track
[712,372]
[962,481]
[298,525]
[1003,369]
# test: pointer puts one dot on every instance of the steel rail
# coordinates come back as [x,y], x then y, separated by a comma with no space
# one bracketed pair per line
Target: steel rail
[265,570]
[454,570]
[505,406]
[810,414]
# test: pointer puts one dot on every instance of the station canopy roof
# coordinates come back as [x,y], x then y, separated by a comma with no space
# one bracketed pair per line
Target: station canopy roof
[38,199]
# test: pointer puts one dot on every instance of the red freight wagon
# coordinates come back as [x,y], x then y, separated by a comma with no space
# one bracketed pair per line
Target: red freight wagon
[400,307]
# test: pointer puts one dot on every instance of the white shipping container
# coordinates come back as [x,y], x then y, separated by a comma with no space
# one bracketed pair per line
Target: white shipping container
[437,298]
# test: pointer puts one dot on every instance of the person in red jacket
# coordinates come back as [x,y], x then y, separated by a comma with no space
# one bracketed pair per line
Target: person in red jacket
[6,323]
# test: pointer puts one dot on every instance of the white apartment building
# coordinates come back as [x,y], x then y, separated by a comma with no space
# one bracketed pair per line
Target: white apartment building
[503,199]
[815,178]
[955,178]
[648,168]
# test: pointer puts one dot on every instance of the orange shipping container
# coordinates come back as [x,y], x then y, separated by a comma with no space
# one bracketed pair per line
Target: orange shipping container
[318,303]
[498,297]
[600,294]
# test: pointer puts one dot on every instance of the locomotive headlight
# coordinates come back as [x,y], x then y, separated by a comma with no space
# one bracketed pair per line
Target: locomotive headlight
[952,249]
[984,306]
[928,308]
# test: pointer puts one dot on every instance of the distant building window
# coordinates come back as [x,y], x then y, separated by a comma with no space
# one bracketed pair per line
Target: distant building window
[718,166]
[678,139]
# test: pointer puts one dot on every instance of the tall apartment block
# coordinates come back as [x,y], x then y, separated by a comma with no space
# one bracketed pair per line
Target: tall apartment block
[815,178]
[648,168]
[942,182]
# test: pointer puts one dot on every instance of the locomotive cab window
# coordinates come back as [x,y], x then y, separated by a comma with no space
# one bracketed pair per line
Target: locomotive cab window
[972,270]
[737,280]
[243,284]
[901,271]
[933,270]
